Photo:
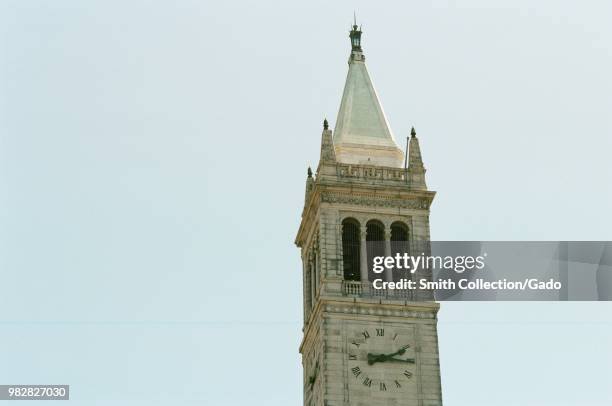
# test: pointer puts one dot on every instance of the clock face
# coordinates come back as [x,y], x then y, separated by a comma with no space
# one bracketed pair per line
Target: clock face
[381,359]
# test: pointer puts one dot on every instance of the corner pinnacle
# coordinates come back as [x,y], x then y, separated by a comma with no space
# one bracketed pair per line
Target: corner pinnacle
[325,124]
[413,132]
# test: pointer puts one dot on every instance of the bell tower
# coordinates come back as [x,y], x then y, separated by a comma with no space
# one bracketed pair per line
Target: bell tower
[362,345]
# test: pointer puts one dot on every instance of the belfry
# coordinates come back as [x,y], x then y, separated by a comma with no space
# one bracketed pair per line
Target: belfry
[364,346]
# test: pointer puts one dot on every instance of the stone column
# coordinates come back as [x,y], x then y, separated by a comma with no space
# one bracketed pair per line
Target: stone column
[363,258]
[388,271]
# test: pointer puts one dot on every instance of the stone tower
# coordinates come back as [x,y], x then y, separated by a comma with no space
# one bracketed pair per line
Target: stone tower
[361,345]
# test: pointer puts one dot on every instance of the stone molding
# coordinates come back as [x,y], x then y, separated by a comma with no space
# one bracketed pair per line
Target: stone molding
[374,200]
[376,310]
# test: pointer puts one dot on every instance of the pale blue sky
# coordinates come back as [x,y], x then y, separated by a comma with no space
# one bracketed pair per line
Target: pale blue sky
[152,165]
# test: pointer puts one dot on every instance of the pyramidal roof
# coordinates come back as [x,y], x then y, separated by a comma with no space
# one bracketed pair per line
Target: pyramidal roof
[362,134]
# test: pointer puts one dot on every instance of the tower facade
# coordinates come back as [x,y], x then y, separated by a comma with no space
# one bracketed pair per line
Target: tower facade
[362,345]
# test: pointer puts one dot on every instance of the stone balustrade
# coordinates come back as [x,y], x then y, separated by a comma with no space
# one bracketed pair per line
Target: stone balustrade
[365,290]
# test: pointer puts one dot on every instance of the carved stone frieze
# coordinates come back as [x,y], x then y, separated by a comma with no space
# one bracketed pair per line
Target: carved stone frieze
[371,200]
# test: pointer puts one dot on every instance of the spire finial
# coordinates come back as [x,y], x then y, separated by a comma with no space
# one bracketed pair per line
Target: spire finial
[325,124]
[355,35]
[309,172]
[413,132]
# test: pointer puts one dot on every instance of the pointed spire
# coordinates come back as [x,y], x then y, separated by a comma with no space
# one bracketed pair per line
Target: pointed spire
[310,182]
[362,134]
[416,169]
[416,161]
[327,144]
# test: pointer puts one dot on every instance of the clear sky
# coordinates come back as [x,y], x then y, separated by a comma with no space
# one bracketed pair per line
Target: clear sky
[152,165]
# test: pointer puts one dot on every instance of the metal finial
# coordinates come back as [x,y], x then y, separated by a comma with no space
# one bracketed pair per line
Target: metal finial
[413,132]
[325,124]
[309,172]
[355,35]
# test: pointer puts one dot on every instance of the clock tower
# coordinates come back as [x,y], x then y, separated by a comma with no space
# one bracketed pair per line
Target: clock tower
[364,346]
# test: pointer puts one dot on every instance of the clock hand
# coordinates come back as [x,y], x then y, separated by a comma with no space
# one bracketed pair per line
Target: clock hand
[401,351]
[374,358]
[407,360]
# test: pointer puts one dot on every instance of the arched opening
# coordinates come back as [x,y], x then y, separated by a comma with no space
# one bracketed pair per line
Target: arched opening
[375,237]
[350,249]
[399,232]
[399,245]
[307,291]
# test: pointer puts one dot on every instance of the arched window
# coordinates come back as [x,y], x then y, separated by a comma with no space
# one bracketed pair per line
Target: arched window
[350,249]
[375,237]
[399,244]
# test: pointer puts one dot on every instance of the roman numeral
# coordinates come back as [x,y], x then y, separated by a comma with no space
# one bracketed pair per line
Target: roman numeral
[353,357]
[366,335]
[395,336]
[408,374]
[355,343]
[397,384]
[356,371]
[380,332]
[367,382]
[383,387]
